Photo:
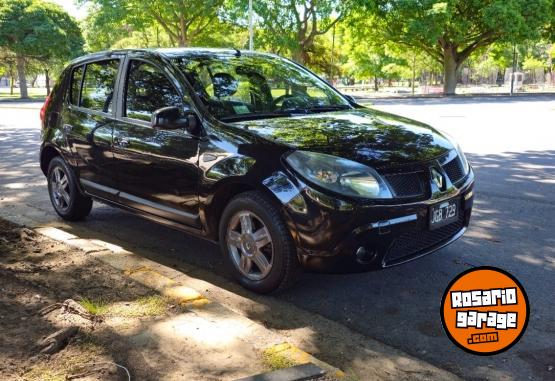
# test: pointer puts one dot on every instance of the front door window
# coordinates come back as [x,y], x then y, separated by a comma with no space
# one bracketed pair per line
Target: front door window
[148,89]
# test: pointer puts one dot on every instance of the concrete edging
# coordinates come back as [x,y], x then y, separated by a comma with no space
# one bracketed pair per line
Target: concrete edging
[180,288]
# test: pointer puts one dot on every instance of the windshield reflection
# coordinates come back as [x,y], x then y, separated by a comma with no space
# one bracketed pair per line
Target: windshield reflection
[249,86]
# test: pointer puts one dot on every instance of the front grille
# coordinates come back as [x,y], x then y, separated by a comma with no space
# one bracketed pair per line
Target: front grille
[418,241]
[454,170]
[406,184]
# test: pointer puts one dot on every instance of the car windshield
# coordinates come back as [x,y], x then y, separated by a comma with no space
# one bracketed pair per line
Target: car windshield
[250,86]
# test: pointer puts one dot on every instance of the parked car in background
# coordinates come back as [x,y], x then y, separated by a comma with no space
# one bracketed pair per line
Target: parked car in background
[255,152]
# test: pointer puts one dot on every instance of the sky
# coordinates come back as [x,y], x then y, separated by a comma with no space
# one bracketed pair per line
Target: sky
[74,10]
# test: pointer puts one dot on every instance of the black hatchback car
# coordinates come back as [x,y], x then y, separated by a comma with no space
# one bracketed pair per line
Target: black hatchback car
[256,152]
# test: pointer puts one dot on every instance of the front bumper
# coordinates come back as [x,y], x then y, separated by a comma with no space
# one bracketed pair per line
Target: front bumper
[369,237]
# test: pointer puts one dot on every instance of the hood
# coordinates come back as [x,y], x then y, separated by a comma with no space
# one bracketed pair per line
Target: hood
[367,136]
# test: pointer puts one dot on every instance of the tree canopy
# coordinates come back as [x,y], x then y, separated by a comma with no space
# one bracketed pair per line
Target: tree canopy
[294,25]
[345,39]
[451,30]
[181,23]
[37,30]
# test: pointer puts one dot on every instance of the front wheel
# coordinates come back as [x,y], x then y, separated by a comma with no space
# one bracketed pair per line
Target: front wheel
[65,196]
[257,245]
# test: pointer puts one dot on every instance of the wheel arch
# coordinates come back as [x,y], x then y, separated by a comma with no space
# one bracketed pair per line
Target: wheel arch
[46,155]
[224,194]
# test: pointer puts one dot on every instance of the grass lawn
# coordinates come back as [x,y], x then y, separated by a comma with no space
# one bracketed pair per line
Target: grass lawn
[34,93]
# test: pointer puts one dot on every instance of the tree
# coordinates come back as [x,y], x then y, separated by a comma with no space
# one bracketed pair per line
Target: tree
[7,65]
[32,29]
[533,63]
[373,62]
[451,30]
[294,25]
[182,21]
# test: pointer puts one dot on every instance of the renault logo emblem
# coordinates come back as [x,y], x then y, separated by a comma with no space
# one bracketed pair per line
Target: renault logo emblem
[437,178]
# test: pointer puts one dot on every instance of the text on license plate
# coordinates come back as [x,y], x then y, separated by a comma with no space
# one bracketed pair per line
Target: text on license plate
[443,214]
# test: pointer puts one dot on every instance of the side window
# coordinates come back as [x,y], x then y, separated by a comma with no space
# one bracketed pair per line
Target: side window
[98,85]
[75,88]
[148,89]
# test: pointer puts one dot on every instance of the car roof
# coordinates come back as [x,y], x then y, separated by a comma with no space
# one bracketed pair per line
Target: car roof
[166,52]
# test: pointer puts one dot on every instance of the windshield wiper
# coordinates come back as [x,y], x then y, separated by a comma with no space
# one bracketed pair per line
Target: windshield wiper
[255,115]
[308,110]
[282,113]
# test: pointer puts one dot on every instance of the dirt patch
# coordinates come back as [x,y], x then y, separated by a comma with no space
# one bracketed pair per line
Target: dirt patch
[38,277]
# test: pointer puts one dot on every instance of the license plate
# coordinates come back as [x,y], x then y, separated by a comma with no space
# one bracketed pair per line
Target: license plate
[443,214]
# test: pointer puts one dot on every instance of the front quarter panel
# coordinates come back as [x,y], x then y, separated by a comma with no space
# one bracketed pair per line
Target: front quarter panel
[232,162]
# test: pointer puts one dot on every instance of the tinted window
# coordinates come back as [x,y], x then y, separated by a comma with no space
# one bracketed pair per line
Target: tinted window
[75,88]
[148,89]
[98,86]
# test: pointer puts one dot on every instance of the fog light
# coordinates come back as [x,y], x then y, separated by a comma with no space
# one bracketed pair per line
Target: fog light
[365,256]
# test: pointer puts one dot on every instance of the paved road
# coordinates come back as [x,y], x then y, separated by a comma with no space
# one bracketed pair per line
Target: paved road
[511,144]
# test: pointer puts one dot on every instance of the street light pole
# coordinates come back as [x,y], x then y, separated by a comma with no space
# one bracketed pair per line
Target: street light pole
[251,31]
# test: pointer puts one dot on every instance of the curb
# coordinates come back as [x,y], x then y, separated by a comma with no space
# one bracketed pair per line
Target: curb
[178,287]
[456,96]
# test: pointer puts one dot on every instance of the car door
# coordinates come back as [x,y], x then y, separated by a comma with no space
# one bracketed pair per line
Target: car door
[157,169]
[88,123]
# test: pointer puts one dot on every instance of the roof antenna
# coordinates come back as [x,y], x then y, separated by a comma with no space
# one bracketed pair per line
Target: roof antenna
[237,52]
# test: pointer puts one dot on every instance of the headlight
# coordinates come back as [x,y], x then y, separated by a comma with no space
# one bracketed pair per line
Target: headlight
[464,162]
[339,175]
[466,166]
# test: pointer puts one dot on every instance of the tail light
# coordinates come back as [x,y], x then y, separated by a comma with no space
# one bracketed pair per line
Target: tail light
[43,108]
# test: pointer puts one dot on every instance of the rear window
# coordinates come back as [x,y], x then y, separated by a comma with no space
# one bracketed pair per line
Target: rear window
[75,88]
[98,85]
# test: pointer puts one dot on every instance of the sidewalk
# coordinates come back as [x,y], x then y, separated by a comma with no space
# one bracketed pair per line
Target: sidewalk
[128,311]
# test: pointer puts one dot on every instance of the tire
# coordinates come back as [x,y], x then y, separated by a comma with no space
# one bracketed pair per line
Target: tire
[66,198]
[240,245]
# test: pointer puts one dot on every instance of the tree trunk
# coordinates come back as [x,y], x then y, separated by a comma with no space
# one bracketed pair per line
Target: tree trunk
[157,37]
[413,73]
[21,74]
[182,31]
[47,81]
[376,84]
[450,70]
[300,56]
[12,80]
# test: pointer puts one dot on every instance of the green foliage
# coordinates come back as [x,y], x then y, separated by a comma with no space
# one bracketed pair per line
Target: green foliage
[291,27]
[465,23]
[37,29]
[533,63]
[139,23]
[451,30]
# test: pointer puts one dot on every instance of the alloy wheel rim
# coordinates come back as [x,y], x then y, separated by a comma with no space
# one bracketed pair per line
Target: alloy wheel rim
[59,189]
[250,245]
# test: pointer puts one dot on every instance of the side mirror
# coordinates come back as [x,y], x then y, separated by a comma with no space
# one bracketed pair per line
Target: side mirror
[172,118]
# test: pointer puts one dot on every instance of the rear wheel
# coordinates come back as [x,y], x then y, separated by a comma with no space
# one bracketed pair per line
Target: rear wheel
[66,198]
[257,245]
